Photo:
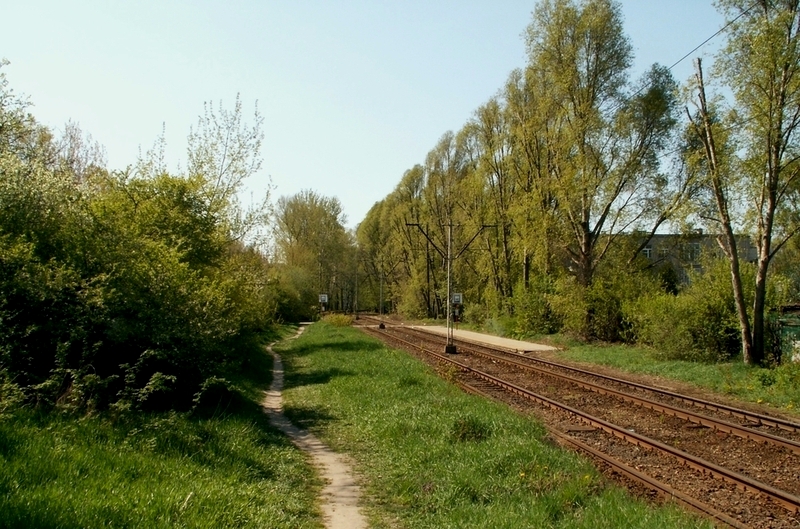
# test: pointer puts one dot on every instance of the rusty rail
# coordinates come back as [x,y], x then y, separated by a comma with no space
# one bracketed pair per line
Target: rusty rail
[787,500]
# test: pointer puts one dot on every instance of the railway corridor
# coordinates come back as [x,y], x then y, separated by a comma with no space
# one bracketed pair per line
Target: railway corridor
[738,467]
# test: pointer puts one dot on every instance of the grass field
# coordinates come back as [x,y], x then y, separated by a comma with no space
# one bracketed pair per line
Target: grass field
[428,454]
[226,469]
[431,456]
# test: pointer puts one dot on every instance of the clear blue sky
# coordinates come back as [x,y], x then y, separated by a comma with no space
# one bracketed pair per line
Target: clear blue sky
[353,92]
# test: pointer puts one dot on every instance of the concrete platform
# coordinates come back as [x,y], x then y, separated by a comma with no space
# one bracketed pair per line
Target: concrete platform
[476,337]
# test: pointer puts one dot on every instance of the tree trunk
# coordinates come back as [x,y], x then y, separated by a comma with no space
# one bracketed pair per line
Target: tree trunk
[706,135]
[759,301]
[526,268]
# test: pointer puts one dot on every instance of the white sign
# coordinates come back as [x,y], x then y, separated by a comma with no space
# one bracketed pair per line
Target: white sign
[323,298]
[457,299]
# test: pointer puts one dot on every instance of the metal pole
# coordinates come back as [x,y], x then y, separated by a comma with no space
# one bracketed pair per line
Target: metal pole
[355,301]
[380,310]
[450,348]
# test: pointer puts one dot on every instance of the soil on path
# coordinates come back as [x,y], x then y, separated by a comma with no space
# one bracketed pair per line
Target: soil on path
[341,492]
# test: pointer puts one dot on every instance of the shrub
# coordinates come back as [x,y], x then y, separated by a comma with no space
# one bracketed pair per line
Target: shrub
[699,323]
[11,395]
[600,311]
[532,306]
[217,395]
[338,320]
[475,313]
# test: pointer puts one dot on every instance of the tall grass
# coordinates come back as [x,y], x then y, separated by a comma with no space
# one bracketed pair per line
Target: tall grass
[224,467]
[432,456]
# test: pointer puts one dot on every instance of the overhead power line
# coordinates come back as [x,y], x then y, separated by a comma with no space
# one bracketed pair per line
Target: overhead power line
[726,26]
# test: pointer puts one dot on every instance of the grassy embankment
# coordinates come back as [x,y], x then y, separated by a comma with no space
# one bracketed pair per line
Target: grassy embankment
[228,468]
[432,456]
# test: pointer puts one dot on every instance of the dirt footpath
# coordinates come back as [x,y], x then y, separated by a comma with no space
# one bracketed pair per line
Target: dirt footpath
[341,492]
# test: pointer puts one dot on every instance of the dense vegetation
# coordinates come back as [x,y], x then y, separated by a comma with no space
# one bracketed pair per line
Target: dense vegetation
[219,466]
[566,175]
[134,289]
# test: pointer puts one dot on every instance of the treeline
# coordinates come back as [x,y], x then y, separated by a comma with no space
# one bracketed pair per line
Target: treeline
[565,176]
[136,289]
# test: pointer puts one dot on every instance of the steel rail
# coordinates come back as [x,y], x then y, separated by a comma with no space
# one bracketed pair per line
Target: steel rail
[754,417]
[686,415]
[661,488]
[631,473]
[717,424]
[787,500]
[759,418]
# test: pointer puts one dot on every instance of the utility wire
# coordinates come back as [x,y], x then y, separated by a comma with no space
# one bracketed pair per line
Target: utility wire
[664,155]
[676,63]
[729,24]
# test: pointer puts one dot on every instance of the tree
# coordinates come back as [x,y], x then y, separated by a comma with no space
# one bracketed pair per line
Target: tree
[761,65]
[310,235]
[78,154]
[125,287]
[713,163]
[225,151]
[496,189]
[599,138]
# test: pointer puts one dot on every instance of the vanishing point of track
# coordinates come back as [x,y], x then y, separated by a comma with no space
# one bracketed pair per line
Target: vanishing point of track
[783,438]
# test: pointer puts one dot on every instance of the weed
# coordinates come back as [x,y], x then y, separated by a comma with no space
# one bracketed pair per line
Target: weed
[469,429]
[338,320]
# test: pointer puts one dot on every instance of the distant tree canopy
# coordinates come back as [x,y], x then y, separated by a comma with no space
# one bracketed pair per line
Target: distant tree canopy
[133,289]
[316,252]
[576,166]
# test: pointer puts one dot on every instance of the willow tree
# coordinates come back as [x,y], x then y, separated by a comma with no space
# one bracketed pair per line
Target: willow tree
[602,135]
[529,119]
[492,193]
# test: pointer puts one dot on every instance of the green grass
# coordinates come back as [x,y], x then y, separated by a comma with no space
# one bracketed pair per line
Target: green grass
[227,469]
[778,387]
[431,456]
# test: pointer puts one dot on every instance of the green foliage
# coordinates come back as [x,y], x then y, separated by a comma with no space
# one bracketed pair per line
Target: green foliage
[698,324]
[338,320]
[603,310]
[532,306]
[11,395]
[412,301]
[316,251]
[128,289]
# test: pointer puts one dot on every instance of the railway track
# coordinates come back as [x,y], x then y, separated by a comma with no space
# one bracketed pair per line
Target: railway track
[567,374]
[757,496]
[749,418]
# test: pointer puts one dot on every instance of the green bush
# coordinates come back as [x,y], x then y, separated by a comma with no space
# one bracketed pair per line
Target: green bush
[601,310]
[699,323]
[338,320]
[532,306]
[131,286]
[11,395]
[475,313]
